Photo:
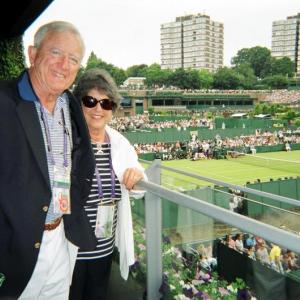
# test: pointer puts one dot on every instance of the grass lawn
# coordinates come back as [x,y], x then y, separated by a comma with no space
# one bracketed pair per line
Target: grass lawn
[234,171]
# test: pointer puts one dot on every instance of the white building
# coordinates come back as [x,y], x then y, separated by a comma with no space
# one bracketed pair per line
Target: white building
[192,41]
[286,40]
[134,82]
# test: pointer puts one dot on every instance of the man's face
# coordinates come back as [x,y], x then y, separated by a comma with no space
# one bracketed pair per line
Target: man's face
[55,63]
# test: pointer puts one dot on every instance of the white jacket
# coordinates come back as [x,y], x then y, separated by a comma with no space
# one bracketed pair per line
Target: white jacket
[123,156]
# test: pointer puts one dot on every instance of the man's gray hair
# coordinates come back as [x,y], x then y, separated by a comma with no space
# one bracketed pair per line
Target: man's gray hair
[57,26]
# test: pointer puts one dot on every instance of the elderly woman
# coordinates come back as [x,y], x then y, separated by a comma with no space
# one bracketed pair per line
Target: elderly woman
[108,208]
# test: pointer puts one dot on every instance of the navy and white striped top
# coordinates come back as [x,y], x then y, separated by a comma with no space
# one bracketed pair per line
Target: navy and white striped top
[105,246]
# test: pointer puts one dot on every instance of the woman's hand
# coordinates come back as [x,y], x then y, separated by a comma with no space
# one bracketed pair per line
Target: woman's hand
[131,177]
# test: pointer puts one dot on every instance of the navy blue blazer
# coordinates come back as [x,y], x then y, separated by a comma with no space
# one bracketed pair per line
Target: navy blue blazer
[25,191]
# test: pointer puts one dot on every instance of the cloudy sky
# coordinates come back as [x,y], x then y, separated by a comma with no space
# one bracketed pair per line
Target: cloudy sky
[127,32]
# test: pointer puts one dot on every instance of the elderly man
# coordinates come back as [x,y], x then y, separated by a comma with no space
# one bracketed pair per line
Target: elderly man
[46,164]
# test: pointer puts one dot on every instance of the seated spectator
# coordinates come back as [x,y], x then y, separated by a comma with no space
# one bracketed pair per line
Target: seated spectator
[232,205]
[250,241]
[253,149]
[239,244]
[275,258]
[229,241]
[292,260]
[251,252]
[239,201]
[262,254]
[259,241]
[286,263]
[208,263]
[287,147]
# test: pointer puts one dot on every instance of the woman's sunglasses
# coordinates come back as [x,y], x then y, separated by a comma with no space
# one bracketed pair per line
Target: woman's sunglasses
[106,104]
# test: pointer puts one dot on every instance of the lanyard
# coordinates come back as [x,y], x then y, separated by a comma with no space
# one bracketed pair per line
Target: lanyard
[113,181]
[48,137]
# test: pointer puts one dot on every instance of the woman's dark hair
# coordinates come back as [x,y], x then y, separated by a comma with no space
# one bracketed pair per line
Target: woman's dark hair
[100,80]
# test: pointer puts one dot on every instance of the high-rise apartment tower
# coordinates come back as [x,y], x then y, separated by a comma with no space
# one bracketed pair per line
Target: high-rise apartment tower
[192,41]
[286,40]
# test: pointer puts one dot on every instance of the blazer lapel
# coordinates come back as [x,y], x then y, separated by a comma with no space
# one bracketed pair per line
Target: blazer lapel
[29,119]
[82,148]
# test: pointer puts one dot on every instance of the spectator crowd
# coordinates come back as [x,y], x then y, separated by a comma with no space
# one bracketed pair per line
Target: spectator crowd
[217,148]
[269,254]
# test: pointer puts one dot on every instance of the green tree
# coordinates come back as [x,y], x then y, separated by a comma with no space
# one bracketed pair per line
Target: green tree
[226,78]
[259,58]
[94,62]
[185,79]
[266,108]
[276,81]
[206,79]
[117,73]
[247,76]
[274,108]
[290,115]
[262,108]
[137,71]
[80,72]
[283,66]
[12,59]
[193,79]
[155,76]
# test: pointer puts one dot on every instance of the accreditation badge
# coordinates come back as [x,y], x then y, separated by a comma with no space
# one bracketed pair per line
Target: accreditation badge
[104,221]
[61,190]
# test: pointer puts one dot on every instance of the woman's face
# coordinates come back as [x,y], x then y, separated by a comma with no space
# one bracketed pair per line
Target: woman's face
[97,117]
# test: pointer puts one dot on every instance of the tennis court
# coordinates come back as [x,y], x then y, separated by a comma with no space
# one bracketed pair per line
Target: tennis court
[236,171]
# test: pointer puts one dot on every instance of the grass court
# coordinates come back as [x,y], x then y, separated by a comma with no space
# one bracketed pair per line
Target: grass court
[236,171]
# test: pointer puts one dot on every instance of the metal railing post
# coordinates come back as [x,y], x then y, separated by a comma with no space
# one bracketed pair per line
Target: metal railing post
[153,216]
